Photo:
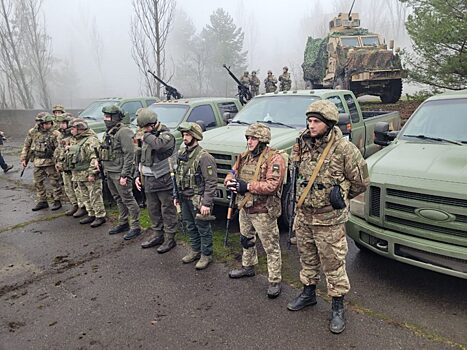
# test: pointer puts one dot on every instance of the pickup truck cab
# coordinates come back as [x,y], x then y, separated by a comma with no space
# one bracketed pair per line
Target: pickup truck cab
[284,113]
[415,210]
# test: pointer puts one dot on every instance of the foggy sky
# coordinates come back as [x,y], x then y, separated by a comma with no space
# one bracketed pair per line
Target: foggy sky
[272,37]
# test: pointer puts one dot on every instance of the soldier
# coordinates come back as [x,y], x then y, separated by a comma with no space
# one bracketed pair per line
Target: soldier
[245,79]
[82,160]
[58,110]
[197,182]
[257,177]
[158,146]
[117,153]
[285,81]
[270,83]
[6,168]
[39,147]
[254,84]
[341,174]
[61,164]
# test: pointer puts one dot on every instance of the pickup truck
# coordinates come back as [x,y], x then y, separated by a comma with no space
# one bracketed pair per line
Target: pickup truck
[284,113]
[415,210]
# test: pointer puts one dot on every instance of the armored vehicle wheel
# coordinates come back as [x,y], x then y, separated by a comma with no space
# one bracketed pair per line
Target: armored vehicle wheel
[393,92]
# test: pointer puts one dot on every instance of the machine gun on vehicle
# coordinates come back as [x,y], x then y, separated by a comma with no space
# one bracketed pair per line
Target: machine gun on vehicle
[170,91]
[244,93]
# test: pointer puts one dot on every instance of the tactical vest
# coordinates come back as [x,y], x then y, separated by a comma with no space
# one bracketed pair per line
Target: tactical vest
[74,160]
[42,147]
[158,161]
[188,172]
[108,150]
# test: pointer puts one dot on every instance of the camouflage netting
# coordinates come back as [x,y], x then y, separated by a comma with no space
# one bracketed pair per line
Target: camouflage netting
[363,60]
[315,59]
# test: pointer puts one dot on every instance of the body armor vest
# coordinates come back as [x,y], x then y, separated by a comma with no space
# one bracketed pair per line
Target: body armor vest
[158,161]
[188,174]
[74,159]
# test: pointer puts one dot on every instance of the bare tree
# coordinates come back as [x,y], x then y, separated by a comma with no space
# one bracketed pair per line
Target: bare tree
[149,29]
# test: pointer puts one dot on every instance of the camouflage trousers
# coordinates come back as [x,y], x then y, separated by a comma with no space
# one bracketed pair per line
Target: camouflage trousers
[91,194]
[40,175]
[79,197]
[254,92]
[69,188]
[324,246]
[126,203]
[265,226]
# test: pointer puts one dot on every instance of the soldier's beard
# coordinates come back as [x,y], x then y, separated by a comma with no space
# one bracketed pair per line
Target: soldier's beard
[258,149]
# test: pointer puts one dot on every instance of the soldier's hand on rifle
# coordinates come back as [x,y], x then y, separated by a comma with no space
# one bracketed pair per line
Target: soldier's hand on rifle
[91,178]
[242,186]
[58,167]
[232,185]
[123,181]
[204,210]
[138,183]
[24,163]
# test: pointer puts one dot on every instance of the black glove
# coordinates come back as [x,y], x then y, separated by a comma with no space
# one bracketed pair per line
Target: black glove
[242,186]
[246,242]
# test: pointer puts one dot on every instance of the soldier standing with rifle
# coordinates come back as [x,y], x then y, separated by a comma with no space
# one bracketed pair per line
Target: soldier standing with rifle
[158,147]
[270,83]
[117,154]
[258,185]
[285,81]
[254,84]
[331,172]
[197,182]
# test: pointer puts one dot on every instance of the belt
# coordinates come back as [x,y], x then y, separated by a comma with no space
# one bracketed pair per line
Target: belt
[322,210]
[253,210]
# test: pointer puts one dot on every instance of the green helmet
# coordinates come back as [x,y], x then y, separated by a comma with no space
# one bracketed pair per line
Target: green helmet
[44,117]
[66,117]
[79,123]
[192,128]
[113,110]
[324,108]
[145,116]
[58,108]
[260,131]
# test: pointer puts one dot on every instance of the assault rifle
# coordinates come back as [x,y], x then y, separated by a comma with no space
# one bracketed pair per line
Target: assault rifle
[170,91]
[176,196]
[99,163]
[230,211]
[244,93]
[291,199]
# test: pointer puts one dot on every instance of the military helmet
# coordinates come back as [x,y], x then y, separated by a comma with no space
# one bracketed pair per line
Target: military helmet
[260,131]
[113,110]
[285,67]
[325,109]
[192,128]
[44,117]
[245,73]
[269,71]
[145,116]
[253,72]
[66,117]
[79,123]
[59,108]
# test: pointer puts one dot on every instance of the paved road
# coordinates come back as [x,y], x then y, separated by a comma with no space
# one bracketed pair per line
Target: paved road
[63,286]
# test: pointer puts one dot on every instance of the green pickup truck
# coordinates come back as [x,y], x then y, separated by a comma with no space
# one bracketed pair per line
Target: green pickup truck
[284,113]
[415,210]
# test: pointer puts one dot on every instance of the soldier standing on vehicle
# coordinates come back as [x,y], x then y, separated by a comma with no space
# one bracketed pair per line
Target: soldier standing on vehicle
[85,171]
[61,164]
[6,168]
[39,147]
[117,153]
[285,81]
[197,182]
[322,206]
[245,79]
[158,146]
[257,178]
[254,84]
[270,83]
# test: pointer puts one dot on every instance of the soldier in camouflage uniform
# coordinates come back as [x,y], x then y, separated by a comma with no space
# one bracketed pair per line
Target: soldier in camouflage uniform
[285,81]
[197,183]
[158,147]
[6,168]
[60,155]
[254,84]
[245,79]
[117,154]
[270,83]
[82,161]
[39,147]
[322,207]
[257,178]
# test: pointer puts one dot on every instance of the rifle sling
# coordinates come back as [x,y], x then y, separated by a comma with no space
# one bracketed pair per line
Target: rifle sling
[316,171]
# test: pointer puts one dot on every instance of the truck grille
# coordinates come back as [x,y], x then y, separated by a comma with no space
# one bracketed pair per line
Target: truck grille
[224,163]
[375,201]
[427,198]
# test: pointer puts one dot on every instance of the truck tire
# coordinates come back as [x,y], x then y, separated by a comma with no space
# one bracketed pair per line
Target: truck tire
[393,92]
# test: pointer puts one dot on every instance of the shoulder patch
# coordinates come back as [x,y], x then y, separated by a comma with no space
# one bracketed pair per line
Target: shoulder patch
[209,170]
[276,169]
[166,136]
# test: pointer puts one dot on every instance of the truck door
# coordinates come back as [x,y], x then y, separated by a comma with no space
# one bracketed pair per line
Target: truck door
[205,114]
[358,127]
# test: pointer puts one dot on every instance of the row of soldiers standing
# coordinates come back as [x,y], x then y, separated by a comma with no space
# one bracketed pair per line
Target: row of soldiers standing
[270,83]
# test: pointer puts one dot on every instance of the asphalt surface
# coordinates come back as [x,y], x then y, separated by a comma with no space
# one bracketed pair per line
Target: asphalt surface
[65,286]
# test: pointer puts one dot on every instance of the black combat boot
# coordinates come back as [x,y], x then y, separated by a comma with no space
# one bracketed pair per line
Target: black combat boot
[40,205]
[57,205]
[134,232]
[306,298]
[87,220]
[337,324]
[72,210]
[274,290]
[80,213]
[98,221]
[169,243]
[119,229]
[244,271]
[156,239]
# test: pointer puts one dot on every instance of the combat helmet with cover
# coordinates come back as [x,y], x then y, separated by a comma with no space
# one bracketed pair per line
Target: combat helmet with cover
[44,117]
[260,131]
[145,116]
[324,110]
[113,110]
[192,128]
[79,124]
[58,108]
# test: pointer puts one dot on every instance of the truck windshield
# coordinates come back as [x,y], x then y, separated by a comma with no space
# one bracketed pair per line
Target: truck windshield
[94,110]
[370,40]
[288,109]
[349,41]
[169,115]
[438,119]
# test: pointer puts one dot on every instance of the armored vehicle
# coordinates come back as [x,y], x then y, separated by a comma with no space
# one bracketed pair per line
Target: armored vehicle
[352,58]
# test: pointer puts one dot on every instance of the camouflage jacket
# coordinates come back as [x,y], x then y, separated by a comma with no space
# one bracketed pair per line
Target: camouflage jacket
[286,82]
[344,166]
[121,151]
[254,83]
[63,141]
[84,144]
[270,84]
[245,80]
[39,146]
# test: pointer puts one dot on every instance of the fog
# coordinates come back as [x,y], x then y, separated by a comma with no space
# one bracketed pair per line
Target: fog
[92,47]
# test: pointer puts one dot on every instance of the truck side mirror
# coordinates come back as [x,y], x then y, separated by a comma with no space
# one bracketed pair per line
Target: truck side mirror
[227,117]
[201,123]
[383,136]
[345,125]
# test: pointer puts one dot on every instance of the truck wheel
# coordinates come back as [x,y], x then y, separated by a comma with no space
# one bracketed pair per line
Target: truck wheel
[393,92]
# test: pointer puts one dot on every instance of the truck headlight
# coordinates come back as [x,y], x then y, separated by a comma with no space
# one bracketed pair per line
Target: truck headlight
[357,206]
